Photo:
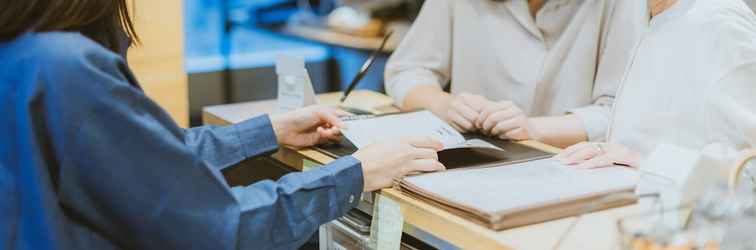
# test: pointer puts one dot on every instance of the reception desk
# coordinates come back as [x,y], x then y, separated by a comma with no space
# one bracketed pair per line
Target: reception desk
[594,231]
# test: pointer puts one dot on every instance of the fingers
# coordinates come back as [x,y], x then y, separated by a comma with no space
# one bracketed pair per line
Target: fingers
[423,166]
[583,154]
[580,156]
[503,127]
[459,122]
[465,110]
[495,107]
[571,150]
[475,102]
[424,153]
[423,158]
[501,118]
[517,134]
[425,142]
[331,116]
[597,162]
[331,134]
[491,121]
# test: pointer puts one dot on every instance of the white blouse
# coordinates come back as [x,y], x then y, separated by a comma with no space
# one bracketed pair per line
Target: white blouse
[569,59]
[692,80]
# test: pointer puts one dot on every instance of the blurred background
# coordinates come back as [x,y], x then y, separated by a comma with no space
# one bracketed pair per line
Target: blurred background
[197,53]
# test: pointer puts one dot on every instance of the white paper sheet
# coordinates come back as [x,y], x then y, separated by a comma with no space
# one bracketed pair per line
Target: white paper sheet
[363,132]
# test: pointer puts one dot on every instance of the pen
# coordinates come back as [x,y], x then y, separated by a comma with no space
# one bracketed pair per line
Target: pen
[622,164]
[365,67]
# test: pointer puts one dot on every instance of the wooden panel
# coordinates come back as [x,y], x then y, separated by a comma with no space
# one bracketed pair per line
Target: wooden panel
[171,96]
[158,61]
[160,25]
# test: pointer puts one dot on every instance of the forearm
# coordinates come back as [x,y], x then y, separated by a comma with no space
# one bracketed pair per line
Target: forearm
[283,214]
[429,96]
[559,131]
[223,146]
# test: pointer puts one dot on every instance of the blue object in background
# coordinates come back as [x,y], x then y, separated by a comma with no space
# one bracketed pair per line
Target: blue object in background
[254,48]
[349,62]
[251,57]
[250,47]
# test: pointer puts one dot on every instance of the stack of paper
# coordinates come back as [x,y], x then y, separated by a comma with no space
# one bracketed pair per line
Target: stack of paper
[521,194]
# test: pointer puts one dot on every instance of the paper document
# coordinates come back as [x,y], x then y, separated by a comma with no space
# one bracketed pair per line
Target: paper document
[363,132]
[519,186]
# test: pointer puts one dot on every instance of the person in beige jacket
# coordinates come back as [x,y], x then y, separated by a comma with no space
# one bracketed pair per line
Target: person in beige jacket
[691,83]
[517,69]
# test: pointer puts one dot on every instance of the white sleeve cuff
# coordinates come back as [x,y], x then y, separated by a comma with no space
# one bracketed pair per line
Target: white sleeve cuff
[401,84]
[595,120]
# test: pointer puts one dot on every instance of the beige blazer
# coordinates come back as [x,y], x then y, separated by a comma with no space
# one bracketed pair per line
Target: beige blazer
[570,58]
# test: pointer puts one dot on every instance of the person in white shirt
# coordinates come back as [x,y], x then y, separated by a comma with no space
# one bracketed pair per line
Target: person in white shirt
[518,69]
[691,83]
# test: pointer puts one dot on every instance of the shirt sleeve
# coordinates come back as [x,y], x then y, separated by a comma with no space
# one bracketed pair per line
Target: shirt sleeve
[424,56]
[595,118]
[304,201]
[128,174]
[222,147]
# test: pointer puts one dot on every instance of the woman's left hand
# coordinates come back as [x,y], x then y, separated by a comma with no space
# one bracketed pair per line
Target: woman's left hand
[595,155]
[308,126]
[503,120]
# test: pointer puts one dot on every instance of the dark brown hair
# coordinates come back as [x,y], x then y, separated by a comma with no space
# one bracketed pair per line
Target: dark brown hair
[107,22]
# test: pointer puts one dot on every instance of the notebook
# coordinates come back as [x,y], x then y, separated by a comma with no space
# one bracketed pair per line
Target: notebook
[523,193]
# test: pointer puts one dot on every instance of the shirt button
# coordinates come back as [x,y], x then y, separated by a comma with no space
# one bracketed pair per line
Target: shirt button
[351,199]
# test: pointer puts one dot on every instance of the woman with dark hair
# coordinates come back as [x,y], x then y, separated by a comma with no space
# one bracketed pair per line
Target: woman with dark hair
[87,161]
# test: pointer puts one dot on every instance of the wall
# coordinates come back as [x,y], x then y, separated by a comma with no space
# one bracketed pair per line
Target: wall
[158,60]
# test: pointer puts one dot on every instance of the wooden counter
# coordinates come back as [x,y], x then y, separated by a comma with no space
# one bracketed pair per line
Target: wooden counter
[594,231]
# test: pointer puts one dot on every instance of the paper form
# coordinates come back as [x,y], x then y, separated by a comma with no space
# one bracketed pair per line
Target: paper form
[386,225]
[363,132]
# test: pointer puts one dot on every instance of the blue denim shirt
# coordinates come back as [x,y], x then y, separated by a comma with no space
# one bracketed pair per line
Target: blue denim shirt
[89,162]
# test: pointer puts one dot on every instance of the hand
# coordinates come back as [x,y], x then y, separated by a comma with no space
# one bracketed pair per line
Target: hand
[462,111]
[504,120]
[384,162]
[308,126]
[595,155]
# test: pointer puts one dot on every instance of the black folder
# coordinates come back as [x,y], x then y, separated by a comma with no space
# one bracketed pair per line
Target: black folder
[463,157]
